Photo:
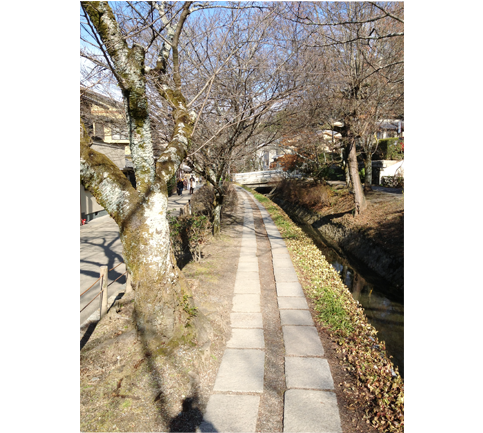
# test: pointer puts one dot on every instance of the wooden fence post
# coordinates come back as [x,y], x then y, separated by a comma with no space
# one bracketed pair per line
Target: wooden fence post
[103,295]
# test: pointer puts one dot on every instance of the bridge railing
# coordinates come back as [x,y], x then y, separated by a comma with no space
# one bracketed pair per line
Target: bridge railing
[258,176]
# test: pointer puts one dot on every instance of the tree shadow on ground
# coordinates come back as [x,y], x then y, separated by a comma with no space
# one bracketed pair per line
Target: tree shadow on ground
[191,416]
[91,326]
[89,331]
[328,218]
[109,254]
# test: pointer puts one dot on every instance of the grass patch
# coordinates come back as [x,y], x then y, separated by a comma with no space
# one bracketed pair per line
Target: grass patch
[379,387]
[331,310]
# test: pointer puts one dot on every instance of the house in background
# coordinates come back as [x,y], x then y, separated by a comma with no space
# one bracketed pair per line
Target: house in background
[388,128]
[283,154]
[105,122]
[266,155]
[104,118]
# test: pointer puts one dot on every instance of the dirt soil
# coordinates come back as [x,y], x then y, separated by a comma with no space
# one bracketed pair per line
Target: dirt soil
[270,412]
[382,221]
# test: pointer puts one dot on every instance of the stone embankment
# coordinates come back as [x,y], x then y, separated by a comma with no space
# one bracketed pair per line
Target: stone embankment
[348,242]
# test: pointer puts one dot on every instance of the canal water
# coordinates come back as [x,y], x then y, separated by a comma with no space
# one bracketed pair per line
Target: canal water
[383,304]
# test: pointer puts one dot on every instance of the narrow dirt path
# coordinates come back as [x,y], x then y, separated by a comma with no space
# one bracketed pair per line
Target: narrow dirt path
[270,415]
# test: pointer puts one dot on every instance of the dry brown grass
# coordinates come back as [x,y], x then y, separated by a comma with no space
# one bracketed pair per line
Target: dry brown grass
[382,221]
[311,195]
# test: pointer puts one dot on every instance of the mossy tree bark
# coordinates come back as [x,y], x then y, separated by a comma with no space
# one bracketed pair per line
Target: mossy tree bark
[162,297]
[368,170]
[217,206]
[360,203]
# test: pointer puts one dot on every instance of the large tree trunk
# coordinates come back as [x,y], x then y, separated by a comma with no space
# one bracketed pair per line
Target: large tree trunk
[215,180]
[348,182]
[163,303]
[345,166]
[368,147]
[359,198]
[162,297]
[368,170]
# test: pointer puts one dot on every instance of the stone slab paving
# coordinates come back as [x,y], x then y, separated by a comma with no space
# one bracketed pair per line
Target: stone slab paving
[249,242]
[310,405]
[248,259]
[302,341]
[292,303]
[296,317]
[310,373]
[248,266]
[278,248]
[283,262]
[246,339]
[246,303]
[249,286]
[242,367]
[290,289]
[252,251]
[285,275]
[246,320]
[247,276]
[231,413]
[311,411]
[280,253]
[307,408]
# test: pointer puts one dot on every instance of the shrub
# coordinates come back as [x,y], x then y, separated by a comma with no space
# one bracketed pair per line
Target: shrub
[189,233]
[231,197]
[202,200]
[392,181]
[390,149]
[171,185]
[332,172]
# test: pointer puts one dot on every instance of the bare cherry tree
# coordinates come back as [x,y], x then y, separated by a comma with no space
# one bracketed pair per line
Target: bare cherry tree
[237,116]
[361,74]
[162,297]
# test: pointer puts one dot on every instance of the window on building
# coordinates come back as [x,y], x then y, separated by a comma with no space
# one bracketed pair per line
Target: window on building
[119,134]
[99,131]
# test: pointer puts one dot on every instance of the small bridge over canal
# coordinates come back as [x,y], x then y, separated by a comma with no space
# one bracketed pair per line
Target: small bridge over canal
[259,179]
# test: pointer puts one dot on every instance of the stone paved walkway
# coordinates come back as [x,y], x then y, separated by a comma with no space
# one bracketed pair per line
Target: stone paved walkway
[310,403]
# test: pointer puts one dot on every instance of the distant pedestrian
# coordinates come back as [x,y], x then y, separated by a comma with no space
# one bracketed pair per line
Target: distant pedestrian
[185,183]
[192,184]
[180,186]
